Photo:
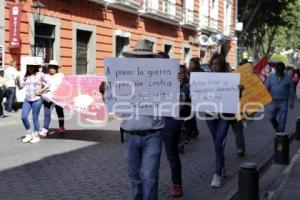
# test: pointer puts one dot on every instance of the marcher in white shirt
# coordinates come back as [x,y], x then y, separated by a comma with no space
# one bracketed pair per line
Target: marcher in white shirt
[11,75]
[55,78]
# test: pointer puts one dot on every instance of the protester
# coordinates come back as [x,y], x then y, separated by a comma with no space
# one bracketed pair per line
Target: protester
[55,78]
[143,140]
[35,83]
[11,75]
[2,88]
[281,88]
[218,125]
[171,138]
[191,123]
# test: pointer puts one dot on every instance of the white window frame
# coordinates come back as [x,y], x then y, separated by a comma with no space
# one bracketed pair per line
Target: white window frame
[153,5]
[121,34]
[56,44]
[189,10]
[189,55]
[214,9]
[171,7]
[204,12]
[227,17]
[167,42]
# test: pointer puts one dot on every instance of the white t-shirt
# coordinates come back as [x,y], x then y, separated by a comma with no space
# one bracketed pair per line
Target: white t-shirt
[54,82]
[10,75]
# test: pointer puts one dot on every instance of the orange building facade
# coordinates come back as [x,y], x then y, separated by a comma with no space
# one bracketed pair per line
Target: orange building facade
[80,34]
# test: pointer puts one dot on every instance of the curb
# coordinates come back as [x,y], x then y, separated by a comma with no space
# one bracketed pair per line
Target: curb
[264,162]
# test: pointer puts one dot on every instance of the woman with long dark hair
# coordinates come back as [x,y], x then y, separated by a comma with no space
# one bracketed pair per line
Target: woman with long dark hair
[218,125]
[35,84]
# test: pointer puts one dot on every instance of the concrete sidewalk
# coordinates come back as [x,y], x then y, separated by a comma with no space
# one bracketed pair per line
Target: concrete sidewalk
[282,182]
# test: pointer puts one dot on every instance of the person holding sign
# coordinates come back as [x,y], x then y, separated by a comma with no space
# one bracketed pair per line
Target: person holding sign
[143,139]
[143,91]
[281,88]
[55,78]
[218,124]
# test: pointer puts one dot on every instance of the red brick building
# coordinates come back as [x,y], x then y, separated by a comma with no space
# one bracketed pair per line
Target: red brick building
[79,34]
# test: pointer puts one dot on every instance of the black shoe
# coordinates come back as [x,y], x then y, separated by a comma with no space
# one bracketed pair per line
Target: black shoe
[241,152]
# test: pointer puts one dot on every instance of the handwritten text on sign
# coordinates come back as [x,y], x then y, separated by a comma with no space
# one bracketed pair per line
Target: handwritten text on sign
[142,86]
[215,92]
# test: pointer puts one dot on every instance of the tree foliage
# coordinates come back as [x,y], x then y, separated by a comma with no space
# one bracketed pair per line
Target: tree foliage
[263,21]
[279,57]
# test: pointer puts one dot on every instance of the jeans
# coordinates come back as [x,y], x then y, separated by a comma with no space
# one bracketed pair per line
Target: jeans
[143,160]
[237,127]
[48,107]
[11,98]
[171,137]
[1,98]
[278,114]
[219,128]
[36,107]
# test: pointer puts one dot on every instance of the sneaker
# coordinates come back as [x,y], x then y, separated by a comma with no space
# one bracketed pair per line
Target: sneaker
[176,191]
[35,139]
[216,181]
[28,138]
[43,132]
[241,152]
[61,130]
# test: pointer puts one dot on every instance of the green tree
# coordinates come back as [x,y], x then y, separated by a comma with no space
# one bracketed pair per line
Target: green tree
[263,19]
[279,57]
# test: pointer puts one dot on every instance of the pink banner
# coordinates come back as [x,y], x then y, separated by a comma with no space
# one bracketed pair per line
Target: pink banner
[15,11]
[80,95]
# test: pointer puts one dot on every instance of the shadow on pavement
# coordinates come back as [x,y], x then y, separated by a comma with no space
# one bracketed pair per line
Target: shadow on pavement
[94,172]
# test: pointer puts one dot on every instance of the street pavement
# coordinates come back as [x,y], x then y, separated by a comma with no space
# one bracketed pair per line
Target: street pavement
[88,163]
[289,182]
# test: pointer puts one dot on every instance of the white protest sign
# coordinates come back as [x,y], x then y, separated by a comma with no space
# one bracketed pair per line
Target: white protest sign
[215,92]
[142,86]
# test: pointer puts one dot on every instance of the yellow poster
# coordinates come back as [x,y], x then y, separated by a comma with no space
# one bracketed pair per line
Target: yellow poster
[255,95]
